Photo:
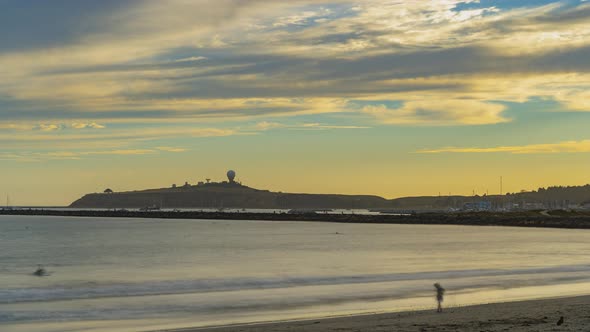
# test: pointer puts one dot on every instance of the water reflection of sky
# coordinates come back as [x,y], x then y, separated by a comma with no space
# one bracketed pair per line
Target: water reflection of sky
[190,272]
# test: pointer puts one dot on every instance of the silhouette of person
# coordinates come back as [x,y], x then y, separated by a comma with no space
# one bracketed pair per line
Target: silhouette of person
[440,294]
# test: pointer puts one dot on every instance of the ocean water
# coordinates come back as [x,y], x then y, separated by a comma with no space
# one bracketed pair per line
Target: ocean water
[147,274]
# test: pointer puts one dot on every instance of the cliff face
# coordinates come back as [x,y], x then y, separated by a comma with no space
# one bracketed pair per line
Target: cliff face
[225,196]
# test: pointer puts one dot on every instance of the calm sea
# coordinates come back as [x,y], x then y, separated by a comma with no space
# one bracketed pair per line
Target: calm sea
[146,274]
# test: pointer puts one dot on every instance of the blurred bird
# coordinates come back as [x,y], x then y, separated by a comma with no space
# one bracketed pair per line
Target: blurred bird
[40,272]
[560,321]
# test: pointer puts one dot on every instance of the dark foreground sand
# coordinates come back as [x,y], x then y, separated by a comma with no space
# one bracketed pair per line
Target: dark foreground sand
[537,315]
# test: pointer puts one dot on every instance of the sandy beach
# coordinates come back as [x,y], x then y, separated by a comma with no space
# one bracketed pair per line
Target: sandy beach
[535,315]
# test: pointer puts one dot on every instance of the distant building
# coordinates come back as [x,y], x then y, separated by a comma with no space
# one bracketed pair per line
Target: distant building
[532,206]
[478,206]
[174,185]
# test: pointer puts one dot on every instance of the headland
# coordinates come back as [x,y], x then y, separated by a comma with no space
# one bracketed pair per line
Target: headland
[224,195]
[233,194]
[557,207]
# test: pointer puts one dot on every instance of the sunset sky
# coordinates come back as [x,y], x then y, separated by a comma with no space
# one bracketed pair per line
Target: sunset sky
[384,97]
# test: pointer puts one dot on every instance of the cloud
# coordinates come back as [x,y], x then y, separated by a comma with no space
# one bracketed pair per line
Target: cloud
[439,112]
[17,126]
[92,125]
[301,19]
[232,59]
[582,146]
[171,149]
[324,126]
[118,134]
[29,156]
[24,126]
[264,125]
[117,138]
[191,59]
[48,127]
[121,152]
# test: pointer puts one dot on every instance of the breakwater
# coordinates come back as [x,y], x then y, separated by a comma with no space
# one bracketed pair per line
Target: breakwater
[551,219]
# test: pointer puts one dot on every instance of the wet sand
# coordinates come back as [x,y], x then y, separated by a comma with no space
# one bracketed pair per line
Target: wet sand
[535,315]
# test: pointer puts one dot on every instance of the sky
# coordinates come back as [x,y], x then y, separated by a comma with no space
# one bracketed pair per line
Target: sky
[385,97]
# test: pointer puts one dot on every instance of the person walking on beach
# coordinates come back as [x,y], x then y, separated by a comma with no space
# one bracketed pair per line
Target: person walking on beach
[440,294]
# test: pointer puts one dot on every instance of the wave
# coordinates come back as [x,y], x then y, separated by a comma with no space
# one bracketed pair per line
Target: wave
[168,287]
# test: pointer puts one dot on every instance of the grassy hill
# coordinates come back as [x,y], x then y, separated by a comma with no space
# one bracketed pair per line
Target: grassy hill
[226,195]
[233,195]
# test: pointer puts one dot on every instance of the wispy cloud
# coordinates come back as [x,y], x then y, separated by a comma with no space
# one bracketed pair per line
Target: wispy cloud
[28,156]
[440,112]
[191,59]
[141,134]
[120,152]
[562,147]
[265,125]
[117,140]
[171,149]
[325,126]
[92,125]
[48,127]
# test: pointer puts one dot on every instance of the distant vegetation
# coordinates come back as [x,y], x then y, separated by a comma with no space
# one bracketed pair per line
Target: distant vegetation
[574,194]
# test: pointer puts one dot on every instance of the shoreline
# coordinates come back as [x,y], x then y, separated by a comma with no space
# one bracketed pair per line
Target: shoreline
[542,219]
[525,315]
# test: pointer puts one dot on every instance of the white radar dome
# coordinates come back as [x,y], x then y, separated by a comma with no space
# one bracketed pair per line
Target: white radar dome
[231,175]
